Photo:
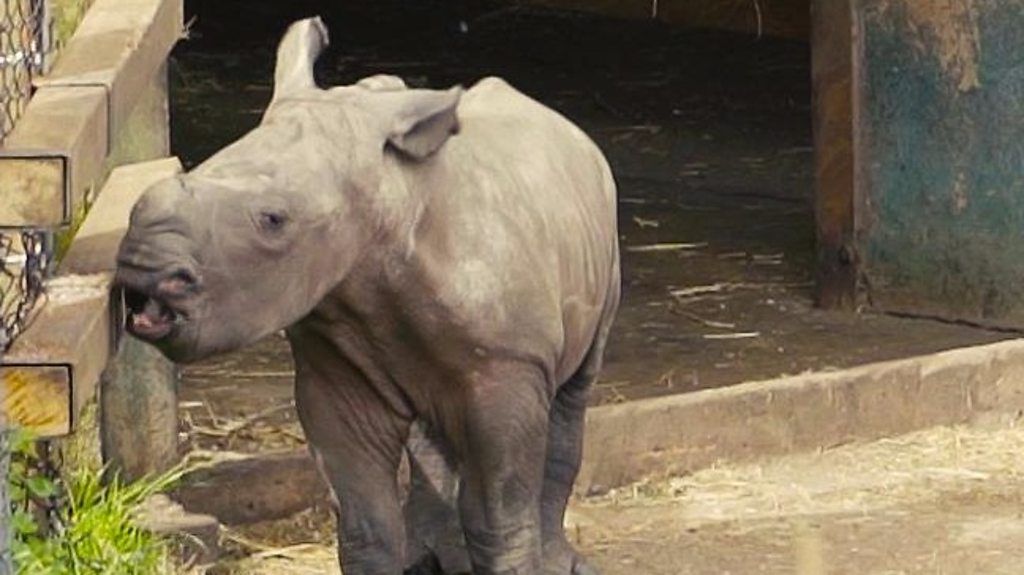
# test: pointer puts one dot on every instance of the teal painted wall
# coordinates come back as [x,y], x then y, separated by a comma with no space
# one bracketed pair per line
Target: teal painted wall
[940,213]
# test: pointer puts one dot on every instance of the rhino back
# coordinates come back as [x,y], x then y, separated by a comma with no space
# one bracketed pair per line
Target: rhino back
[517,237]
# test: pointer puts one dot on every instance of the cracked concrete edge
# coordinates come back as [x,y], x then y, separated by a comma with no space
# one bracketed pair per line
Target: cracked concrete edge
[679,434]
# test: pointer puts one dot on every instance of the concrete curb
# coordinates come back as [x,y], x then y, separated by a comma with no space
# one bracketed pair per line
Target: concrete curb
[260,488]
[679,434]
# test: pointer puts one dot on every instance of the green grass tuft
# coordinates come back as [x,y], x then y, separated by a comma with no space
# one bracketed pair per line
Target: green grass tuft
[98,532]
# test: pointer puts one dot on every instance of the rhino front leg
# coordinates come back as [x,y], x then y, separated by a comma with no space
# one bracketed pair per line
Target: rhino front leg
[434,533]
[502,449]
[358,444]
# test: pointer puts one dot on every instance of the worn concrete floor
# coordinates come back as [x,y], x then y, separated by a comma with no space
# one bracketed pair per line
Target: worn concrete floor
[942,501]
[946,500]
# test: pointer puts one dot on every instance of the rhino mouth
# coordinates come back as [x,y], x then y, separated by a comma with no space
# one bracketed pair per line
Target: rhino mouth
[150,317]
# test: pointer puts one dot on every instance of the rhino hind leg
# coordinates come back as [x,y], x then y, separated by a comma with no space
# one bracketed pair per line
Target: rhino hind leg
[565,452]
[565,445]
[432,512]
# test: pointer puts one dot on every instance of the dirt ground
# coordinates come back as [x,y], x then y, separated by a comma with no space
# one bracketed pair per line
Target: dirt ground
[941,501]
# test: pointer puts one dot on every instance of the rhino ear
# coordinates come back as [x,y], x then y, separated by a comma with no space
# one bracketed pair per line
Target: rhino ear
[296,53]
[417,122]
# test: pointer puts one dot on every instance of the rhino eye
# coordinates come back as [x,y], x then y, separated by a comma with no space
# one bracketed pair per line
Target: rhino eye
[272,221]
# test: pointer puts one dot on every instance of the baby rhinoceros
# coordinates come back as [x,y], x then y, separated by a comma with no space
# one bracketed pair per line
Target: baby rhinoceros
[444,261]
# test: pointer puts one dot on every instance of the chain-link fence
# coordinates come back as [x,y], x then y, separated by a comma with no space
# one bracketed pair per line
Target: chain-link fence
[24,44]
[24,259]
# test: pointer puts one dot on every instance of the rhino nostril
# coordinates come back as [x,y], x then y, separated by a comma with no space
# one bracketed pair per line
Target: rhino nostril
[186,276]
[179,282]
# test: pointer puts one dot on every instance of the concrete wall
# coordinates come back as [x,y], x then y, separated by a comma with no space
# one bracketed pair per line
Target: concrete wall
[940,156]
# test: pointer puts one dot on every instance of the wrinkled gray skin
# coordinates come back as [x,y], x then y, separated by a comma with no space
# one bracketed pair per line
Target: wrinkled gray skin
[446,266]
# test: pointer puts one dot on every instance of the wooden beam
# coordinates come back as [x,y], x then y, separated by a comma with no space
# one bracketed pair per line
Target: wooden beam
[74,329]
[95,246]
[53,156]
[139,411]
[832,79]
[53,160]
[118,46]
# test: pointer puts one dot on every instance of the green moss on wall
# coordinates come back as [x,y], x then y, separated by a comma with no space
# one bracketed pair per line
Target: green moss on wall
[82,449]
[67,14]
[64,236]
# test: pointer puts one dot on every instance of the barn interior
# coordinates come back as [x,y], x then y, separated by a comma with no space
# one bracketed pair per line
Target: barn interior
[705,116]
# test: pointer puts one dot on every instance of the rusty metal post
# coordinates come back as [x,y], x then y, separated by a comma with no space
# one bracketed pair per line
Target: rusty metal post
[832,45]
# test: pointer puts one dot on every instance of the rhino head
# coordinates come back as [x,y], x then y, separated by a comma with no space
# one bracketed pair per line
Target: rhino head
[251,240]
